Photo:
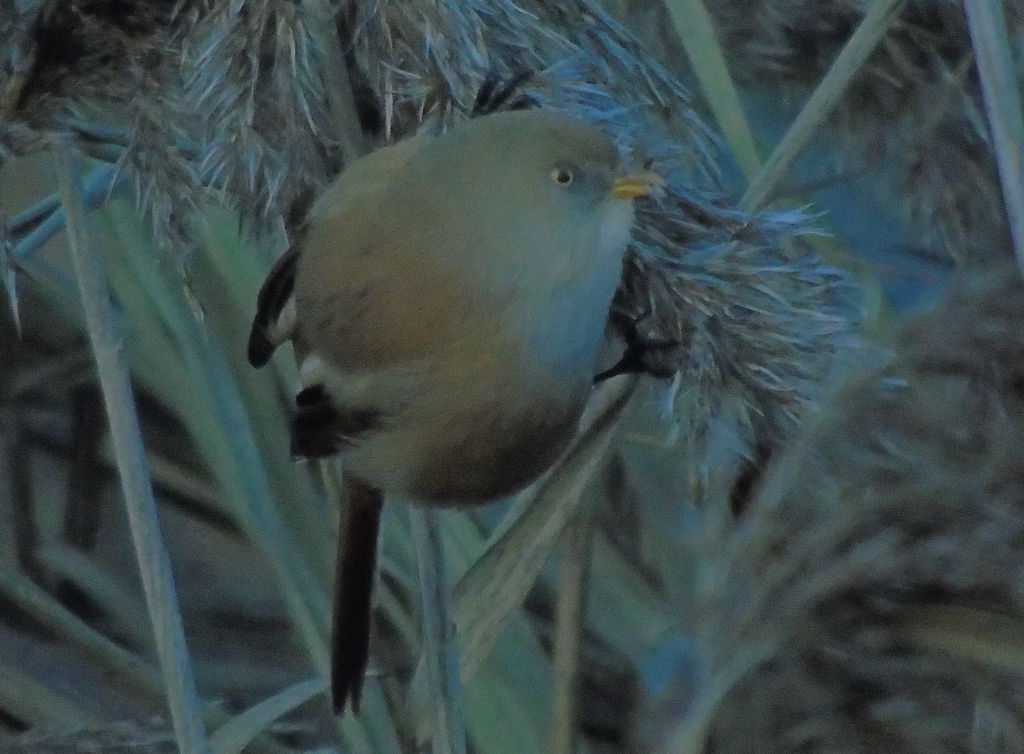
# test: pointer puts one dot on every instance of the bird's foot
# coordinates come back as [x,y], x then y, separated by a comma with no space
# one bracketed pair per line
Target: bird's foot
[656,357]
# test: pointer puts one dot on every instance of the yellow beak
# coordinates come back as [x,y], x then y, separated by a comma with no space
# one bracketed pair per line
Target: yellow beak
[639,184]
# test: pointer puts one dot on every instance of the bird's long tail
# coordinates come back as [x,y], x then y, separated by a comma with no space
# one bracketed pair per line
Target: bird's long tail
[357,558]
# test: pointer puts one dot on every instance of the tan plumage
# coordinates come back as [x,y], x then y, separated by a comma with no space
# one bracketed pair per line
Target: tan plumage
[447,300]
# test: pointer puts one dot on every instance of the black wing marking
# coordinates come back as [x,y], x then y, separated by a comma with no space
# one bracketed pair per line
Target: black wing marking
[353,587]
[271,301]
[319,428]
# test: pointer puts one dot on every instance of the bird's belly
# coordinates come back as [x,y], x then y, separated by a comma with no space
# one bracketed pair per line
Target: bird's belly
[460,449]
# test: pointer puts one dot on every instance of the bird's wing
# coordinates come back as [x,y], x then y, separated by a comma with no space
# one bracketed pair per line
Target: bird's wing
[275,310]
[352,192]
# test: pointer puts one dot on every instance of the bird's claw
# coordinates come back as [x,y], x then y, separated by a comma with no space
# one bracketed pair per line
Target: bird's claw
[643,355]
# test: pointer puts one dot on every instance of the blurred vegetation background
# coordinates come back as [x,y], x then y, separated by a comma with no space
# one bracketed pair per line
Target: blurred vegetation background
[809,539]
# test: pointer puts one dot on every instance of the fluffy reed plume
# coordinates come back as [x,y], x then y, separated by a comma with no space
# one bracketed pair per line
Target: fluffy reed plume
[231,97]
[872,600]
[916,108]
[104,69]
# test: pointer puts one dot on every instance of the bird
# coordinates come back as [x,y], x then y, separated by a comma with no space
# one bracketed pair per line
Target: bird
[446,297]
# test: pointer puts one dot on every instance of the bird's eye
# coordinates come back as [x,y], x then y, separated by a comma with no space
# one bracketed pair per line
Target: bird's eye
[562,176]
